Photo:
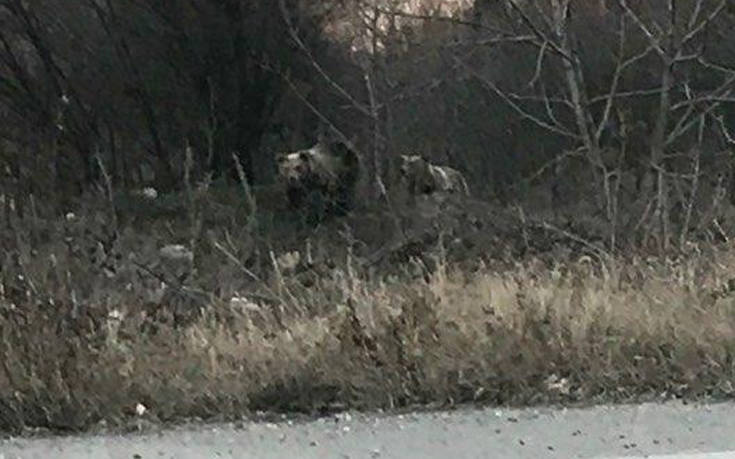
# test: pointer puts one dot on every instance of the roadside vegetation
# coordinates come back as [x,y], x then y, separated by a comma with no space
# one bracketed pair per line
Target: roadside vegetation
[90,333]
[151,270]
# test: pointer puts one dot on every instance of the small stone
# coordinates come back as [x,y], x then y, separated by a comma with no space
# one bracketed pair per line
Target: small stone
[176,252]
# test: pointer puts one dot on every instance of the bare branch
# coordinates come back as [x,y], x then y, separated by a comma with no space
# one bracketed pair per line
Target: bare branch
[553,162]
[699,100]
[695,183]
[574,77]
[536,31]
[422,88]
[683,126]
[654,42]
[518,109]
[614,83]
[694,31]
[542,14]
[292,31]
[539,62]
[601,252]
[549,108]
[545,99]
[718,67]
[374,108]
[695,14]
[322,117]
[679,58]
[495,40]
[671,6]
[724,130]
[624,94]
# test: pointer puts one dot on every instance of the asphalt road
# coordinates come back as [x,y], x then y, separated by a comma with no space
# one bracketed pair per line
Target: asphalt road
[673,430]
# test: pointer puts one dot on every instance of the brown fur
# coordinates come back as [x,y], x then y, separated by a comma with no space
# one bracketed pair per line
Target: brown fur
[422,177]
[329,169]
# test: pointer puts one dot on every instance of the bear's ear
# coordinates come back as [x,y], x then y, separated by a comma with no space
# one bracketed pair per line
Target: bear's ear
[280,157]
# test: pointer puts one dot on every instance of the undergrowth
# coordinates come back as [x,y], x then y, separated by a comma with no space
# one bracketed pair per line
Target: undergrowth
[97,324]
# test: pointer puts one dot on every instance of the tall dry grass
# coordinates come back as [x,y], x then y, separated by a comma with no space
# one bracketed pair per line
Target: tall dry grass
[580,330]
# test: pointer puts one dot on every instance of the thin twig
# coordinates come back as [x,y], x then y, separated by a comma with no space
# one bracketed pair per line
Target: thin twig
[601,252]
[536,31]
[292,32]
[625,94]
[622,65]
[651,38]
[539,62]
[516,107]
[694,31]
[683,126]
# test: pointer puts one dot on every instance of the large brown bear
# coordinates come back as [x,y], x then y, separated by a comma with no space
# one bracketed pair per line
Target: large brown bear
[422,177]
[320,179]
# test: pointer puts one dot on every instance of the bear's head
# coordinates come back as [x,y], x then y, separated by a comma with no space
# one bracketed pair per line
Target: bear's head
[294,167]
[324,175]
[415,169]
[324,163]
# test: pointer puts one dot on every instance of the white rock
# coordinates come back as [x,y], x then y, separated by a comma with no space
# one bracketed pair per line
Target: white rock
[149,192]
[176,252]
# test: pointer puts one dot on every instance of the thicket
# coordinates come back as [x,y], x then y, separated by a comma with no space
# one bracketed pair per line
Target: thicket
[628,102]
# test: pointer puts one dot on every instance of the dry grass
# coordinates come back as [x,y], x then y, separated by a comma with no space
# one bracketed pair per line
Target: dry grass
[80,347]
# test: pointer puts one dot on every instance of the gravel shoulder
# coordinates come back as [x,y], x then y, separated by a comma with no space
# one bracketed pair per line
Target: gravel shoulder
[647,430]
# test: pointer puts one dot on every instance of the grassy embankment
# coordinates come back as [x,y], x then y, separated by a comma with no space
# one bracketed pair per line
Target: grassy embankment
[86,333]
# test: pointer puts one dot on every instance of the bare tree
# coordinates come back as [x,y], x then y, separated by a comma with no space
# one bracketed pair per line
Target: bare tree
[674,36]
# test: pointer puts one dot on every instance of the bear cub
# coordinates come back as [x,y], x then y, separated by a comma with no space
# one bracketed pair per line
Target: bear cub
[422,177]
